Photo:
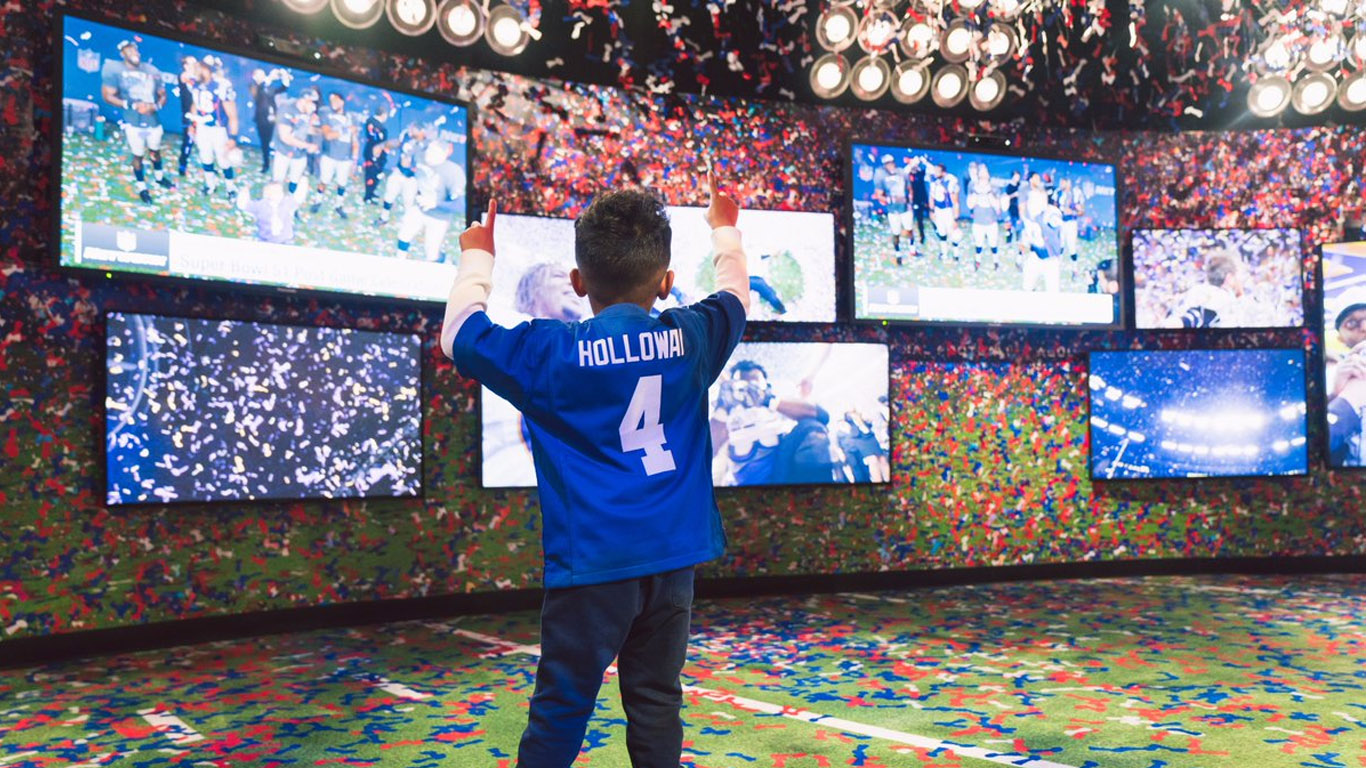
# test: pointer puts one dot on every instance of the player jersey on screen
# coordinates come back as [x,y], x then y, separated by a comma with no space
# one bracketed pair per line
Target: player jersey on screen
[1071,202]
[894,186]
[440,189]
[1205,306]
[210,101]
[345,128]
[985,209]
[134,86]
[301,127]
[617,411]
[410,151]
[754,435]
[941,192]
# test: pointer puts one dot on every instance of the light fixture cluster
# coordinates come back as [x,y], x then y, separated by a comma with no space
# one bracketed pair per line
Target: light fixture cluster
[1311,56]
[460,22]
[972,38]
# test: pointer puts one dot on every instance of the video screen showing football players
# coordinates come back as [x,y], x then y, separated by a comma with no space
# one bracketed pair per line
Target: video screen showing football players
[958,236]
[1198,413]
[1218,278]
[782,413]
[185,161]
[222,410]
[1344,350]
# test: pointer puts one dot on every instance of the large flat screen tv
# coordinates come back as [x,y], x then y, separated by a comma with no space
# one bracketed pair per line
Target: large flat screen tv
[782,413]
[957,236]
[1198,413]
[183,160]
[203,410]
[1344,352]
[1218,278]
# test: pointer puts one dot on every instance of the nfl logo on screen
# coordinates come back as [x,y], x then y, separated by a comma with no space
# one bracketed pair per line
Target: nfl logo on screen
[126,240]
[88,60]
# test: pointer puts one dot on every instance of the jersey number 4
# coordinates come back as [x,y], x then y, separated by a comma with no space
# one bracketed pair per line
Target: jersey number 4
[641,429]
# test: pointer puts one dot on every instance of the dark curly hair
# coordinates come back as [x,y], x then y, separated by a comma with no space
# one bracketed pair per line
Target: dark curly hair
[621,246]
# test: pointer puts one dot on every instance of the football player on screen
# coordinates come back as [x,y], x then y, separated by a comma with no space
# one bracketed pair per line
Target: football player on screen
[136,88]
[1219,301]
[944,189]
[1071,201]
[296,135]
[891,187]
[215,119]
[402,183]
[341,149]
[767,439]
[986,208]
[439,196]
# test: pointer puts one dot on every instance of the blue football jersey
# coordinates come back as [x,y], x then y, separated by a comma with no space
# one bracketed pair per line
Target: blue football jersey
[617,410]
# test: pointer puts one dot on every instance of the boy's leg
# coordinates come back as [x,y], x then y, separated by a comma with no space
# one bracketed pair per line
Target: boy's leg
[581,630]
[648,667]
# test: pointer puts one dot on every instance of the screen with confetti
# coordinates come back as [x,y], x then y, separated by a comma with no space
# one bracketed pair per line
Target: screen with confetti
[216,410]
[1218,278]
[180,160]
[953,236]
[1198,413]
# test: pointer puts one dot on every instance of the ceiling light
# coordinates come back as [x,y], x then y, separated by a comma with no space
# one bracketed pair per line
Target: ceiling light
[1269,96]
[1326,52]
[412,17]
[956,42]
[1314,93]
[870,78]
[950,86]
[358,14]
[910,81]
[835,28]
[305,6]
[1001,41]
[988,93]
[830,75]
[461,22]
[507,33]
[918,38]
[1352,93]
[878,31]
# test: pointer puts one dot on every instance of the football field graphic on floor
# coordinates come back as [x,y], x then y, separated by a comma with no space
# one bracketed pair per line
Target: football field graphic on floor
[1131,673]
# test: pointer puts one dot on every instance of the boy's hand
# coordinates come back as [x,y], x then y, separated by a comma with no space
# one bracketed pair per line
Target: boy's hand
[480,235]
[723,211]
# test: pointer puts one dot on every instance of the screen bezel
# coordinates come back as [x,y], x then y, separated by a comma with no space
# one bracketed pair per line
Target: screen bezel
[102,417]
[1133,284]
[891,432]
[266,289]
[1122,308]
[1121,481]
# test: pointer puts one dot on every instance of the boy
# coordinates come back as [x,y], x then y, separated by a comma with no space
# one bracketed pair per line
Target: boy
[617,410]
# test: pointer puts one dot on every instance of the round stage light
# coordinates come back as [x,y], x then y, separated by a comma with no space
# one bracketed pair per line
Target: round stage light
[1352,93]
[461,22]
[1269,96]
[830,75]
[1279,55]
[969,6]
[1359,45]
[1314,93]
[988,93]
[411,17]
[358,14]
[871,78]
[1326,52]
[1001,42]
[1335,7]
[956,43]
[918,38]
[910,81]
[506,32]
[878,31]
[950,86]
[835,28]
[305,6]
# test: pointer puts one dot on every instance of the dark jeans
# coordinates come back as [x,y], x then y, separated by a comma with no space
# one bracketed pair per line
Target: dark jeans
[644,624]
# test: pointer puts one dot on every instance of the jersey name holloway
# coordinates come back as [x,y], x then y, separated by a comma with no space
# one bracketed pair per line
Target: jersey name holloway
[650,345]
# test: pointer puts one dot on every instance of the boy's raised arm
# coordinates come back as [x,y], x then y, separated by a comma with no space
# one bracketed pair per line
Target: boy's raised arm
[732,272]
[473,280]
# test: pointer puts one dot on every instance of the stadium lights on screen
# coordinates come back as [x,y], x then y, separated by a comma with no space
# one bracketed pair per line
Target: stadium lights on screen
[1198,413]
[186,161]
[953,236]
[1218,278]
[782,413]
[222,410]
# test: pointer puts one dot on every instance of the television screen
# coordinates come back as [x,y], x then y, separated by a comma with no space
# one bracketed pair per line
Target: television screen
[186,161]
[1198,413]
[782,413]
[791,257]
[224,410]
[953,236]
[1218,278]
[1344,350]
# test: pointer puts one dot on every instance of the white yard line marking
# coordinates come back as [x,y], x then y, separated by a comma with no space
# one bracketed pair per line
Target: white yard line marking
[175,729]
[400,690]
[848,726]
[12,758]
